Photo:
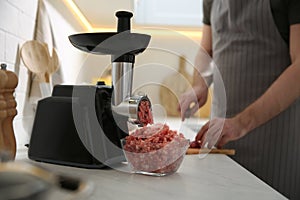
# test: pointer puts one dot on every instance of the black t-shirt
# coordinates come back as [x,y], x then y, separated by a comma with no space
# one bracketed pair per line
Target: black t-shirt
[285,13]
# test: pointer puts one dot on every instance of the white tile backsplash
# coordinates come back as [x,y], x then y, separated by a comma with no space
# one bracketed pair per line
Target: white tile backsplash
[22,136]
[11,48]
[17,26]
[10,66]
[21,97]
[27,7]
[2,45]
[26,26]
[23,80]
[9,17]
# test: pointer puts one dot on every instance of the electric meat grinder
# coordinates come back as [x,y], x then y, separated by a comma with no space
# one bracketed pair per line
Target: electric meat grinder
[82,125]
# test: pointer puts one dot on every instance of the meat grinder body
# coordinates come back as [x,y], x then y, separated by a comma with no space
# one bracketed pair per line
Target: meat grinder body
[76,127]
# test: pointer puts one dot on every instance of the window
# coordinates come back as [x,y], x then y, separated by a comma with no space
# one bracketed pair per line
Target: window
[184,13]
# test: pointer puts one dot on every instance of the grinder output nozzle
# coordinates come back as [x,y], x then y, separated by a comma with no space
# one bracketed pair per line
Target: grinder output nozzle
[137,108]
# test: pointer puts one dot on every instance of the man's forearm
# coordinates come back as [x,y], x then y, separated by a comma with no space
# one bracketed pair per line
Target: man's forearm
[282,93]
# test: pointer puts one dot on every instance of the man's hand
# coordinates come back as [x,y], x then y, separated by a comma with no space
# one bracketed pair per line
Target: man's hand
[192,100]
[219,131]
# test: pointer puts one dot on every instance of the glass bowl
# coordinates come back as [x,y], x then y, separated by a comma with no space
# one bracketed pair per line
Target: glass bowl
[157,154]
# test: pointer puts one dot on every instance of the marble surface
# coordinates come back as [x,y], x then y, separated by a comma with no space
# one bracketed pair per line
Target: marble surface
[213,178]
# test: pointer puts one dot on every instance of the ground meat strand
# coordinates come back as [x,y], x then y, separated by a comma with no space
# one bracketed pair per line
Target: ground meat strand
[155,149]
[145,116]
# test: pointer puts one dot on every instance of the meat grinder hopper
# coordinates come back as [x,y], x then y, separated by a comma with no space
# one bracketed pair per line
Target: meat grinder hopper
[122,46]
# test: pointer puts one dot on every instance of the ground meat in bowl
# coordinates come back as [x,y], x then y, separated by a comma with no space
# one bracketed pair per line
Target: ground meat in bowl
[155,149]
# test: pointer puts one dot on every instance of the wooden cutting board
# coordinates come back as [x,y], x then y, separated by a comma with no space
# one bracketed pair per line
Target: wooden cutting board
[212,151]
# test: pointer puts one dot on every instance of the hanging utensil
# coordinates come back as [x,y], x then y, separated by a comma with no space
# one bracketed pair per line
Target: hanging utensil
[20,180]
[36,58]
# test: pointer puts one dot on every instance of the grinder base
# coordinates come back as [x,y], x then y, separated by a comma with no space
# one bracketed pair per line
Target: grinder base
[76,127]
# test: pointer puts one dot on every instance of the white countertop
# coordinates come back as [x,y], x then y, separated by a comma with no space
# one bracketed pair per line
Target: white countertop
[215,177]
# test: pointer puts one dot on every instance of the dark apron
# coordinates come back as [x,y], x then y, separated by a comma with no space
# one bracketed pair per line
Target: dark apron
[250,54]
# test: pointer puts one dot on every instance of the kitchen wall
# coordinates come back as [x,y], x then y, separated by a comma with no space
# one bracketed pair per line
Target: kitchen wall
[64,24]
[17,25]
[160,62]
[17,22]
[164,55]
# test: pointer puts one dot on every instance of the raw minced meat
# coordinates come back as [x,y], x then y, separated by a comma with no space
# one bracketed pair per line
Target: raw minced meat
[155,148]
[145,116]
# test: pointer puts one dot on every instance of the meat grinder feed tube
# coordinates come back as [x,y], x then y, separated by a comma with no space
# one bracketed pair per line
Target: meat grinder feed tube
[123,102]
[122,75]
[122,67]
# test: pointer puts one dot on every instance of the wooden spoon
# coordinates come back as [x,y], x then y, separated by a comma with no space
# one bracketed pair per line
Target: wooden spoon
[36,58]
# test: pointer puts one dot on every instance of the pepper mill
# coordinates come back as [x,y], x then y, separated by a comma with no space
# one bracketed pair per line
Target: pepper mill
[3,113]
[9,113]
